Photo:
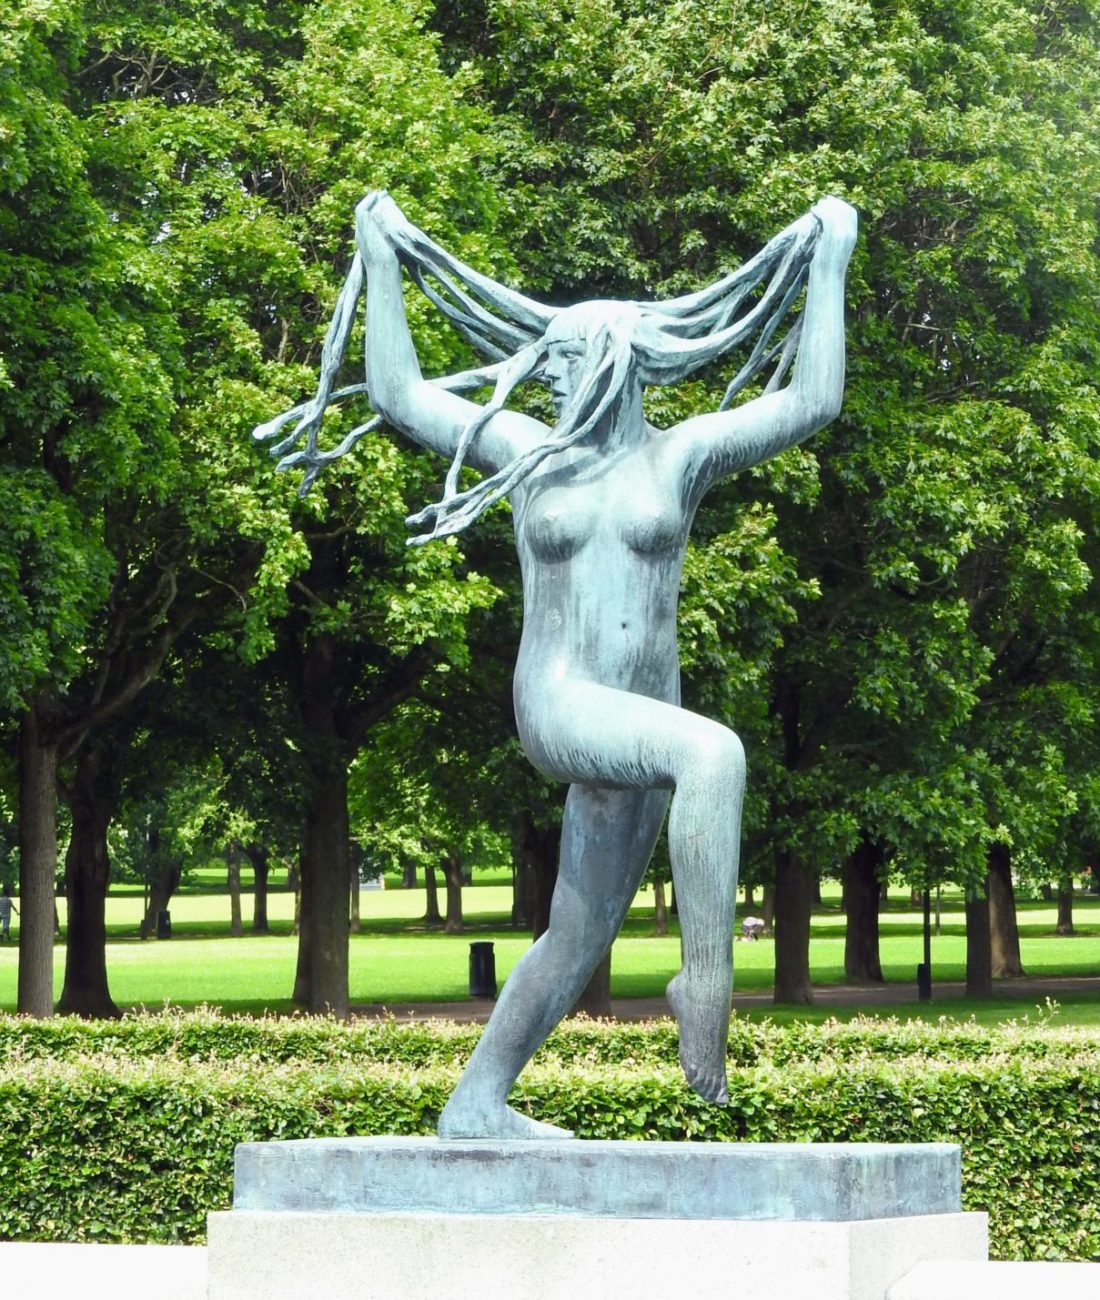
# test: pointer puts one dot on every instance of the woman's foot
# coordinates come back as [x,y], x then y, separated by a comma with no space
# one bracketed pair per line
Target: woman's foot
[461,1120]
[702,1010]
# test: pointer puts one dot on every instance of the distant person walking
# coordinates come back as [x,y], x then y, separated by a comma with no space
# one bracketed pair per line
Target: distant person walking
[6,909]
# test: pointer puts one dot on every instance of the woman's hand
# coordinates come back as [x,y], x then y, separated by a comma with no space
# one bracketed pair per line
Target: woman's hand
[383,227]
[839,223]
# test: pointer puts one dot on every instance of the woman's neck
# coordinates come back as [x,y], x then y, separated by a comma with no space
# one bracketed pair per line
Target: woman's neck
[623,426]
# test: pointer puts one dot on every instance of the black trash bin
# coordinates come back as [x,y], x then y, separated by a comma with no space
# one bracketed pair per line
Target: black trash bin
[483,971]
[164,925]
[924,982]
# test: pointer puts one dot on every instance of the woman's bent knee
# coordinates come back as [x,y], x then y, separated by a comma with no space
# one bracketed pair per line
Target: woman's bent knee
[720,756]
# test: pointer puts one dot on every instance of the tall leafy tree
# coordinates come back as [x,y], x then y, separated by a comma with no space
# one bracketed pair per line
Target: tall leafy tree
[89,353]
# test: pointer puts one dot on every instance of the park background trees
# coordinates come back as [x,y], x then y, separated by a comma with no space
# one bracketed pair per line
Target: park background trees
[899,618]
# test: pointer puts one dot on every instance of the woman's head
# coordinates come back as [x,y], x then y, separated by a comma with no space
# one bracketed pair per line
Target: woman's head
[583,350]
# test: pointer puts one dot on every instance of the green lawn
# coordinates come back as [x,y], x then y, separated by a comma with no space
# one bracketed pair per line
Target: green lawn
[395,959]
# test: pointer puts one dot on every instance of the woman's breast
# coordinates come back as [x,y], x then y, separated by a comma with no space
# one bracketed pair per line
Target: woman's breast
[559,522]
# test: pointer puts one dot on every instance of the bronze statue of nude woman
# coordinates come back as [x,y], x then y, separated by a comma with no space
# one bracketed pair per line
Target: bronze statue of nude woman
[602,505]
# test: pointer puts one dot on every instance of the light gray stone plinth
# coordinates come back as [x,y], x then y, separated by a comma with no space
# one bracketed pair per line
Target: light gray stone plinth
[627,1180]
[45,1270]
[282,1255]
[959,1280]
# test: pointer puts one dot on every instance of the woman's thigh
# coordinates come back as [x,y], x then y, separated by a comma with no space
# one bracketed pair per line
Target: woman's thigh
[595,735]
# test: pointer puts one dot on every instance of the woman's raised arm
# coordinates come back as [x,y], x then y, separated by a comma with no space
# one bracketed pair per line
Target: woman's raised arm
[718,444]
[424,412]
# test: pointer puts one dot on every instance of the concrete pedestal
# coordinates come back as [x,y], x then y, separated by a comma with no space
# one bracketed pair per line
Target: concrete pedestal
[415,1218]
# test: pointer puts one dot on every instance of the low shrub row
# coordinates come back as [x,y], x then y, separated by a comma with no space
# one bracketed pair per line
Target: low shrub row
[210,1036]
[112,1148]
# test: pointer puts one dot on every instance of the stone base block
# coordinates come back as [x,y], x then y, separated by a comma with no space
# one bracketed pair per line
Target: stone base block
[1004,1281]
[294,1255]
[46,1269]
[838,1181]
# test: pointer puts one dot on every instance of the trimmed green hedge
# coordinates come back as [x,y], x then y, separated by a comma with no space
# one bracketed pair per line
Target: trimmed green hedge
[208,1035]
[125,1132]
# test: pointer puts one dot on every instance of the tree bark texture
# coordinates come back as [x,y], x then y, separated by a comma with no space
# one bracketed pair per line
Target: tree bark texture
[521,874]
[328,870]
[1065,906]
[327,836]
[261,873]
[541,849]
[233,881]
[595,999]
[452,874]
[355,861]
[660,908]
[862,964]
[767,910]
[163,883]
[301,922]
[979,955]
[1003,929]
[38,758]
[432,914]
[87,871]
[794,891]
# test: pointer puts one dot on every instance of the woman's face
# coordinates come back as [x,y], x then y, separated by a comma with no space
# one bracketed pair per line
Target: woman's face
[563,368]
[569,337]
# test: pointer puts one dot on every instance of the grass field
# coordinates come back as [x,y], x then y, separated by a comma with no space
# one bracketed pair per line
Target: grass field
[396,959]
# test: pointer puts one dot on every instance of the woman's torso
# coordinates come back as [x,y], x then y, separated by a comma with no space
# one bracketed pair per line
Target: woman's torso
[601,538]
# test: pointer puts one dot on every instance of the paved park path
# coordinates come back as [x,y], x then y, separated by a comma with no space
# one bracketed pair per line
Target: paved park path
[1030,993]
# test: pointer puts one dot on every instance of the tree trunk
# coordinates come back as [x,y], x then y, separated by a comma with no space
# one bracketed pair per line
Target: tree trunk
[595,1000]
[794,885]
[261,873]
[861,894]
[1004,931]
[541,849]
[750,899]
[521,874]
[1065,906]
[233,881]
[979,955]
[161,891]
[660,909]
[356,858]
[294,884]
[768,910]
[87,867]
[38,760]
[452,874]
[162,884]
[302,927]
[521,894]
[432,914]
[327,835]
[327,845]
